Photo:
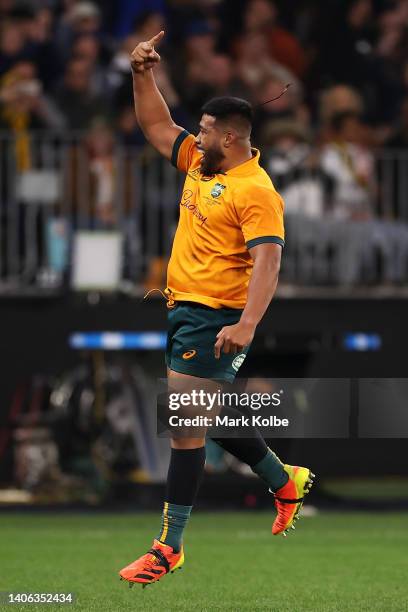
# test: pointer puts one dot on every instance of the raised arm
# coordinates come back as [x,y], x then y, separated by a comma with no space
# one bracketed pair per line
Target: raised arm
[151,110]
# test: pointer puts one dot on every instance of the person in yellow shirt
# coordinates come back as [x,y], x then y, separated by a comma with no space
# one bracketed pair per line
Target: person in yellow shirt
[222,275]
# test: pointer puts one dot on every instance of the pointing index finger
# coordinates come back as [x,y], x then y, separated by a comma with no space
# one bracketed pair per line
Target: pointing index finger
[156,39]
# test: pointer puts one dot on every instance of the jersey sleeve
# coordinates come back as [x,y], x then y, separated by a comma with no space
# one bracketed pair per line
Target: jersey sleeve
[260,214]
[185,151]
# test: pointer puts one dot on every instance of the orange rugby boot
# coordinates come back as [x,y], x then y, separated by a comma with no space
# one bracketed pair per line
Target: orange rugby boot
[289,498]
[156,563]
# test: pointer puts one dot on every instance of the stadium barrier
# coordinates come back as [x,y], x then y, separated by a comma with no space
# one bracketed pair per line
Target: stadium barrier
[53,186]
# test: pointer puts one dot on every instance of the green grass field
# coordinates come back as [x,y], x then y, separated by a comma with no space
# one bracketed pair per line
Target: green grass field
[333,562]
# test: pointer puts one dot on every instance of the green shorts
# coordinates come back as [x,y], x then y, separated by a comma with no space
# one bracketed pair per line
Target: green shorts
[191,337]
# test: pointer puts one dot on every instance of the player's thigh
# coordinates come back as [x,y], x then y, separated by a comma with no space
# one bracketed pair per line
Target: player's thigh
[198,390]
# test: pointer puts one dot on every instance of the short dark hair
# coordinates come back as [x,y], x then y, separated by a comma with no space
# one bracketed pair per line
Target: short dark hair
[229,107]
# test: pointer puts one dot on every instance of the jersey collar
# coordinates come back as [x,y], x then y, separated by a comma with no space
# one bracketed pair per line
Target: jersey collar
[248,167]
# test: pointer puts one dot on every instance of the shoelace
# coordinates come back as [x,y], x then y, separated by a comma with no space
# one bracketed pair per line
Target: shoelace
[167,294]
[158,559]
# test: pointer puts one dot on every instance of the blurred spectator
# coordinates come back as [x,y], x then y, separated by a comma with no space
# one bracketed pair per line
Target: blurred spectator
[288,106]
[12,45]
[200,41]
[100,145]
[254,65]
[80,18]
[294,165]
[335,100]
[75,96]
[88,48]
[194,82]
[261,16]
[23,106]
[216,77]
[347,43]
[348,160]
[43,48]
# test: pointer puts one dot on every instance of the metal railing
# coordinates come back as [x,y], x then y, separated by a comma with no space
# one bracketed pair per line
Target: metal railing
[54,185]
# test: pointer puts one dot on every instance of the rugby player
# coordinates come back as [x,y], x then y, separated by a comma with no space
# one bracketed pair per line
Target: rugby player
[222,275]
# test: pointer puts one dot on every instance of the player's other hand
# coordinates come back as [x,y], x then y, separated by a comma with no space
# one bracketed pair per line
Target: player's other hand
[233,338]
[144,55]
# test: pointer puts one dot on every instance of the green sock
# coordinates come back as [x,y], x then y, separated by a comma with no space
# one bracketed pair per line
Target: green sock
[270,469]
[174,519]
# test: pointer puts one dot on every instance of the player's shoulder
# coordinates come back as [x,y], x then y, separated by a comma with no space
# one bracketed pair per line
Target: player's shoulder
[185,154]
[259,182]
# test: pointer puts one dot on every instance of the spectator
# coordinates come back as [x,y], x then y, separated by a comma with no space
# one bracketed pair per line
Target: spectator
[75,96]
[43,49]
[100,146]
[294,166]
[348,160]
[200,41]
[261,16]
[335,100]
[23,107]
[193,83]
[287,106]
[254,64]
[12,45]
[347,44]
[88,48]
[81,18]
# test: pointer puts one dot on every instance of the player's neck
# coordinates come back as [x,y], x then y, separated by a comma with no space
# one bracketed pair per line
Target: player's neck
[236,158]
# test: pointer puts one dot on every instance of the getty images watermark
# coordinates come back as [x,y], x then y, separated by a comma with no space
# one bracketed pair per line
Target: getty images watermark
[189,409]
[284,408]
[217,402]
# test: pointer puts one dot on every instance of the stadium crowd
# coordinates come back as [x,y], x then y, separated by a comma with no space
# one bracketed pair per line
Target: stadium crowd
[64,66]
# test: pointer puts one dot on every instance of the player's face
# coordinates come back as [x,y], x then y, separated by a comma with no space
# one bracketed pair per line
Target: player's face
[209,141]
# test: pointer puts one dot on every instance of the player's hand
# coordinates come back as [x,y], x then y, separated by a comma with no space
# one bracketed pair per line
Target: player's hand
[144,55]
[233,338]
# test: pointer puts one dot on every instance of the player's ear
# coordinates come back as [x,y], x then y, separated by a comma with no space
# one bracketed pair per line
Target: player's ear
[228,139]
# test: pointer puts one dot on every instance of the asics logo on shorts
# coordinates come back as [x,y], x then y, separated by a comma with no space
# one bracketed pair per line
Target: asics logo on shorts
[189,354]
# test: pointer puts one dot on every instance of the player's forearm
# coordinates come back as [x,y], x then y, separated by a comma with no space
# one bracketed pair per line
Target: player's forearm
[261,289]
[150,107]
